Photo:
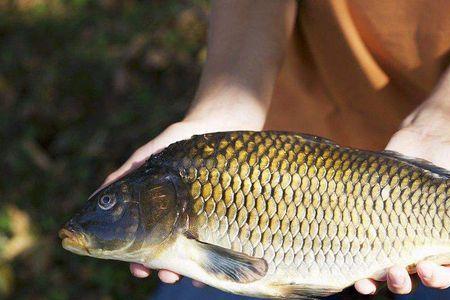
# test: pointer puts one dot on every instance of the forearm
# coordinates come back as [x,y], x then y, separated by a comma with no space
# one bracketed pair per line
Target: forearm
[246,46]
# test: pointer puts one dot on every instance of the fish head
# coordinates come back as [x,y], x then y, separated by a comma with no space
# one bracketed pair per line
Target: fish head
[121,220]
[106,224]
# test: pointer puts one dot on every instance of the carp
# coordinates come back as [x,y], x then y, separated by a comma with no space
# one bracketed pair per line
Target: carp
[270,214]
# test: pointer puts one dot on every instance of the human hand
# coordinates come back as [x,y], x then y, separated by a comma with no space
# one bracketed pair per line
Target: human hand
[424,134]
[171,134]
[175,132]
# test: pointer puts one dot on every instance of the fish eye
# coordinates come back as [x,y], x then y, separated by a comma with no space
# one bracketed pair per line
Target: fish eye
[106,202]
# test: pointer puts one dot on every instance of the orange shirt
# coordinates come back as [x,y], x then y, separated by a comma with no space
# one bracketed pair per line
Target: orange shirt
[357,68]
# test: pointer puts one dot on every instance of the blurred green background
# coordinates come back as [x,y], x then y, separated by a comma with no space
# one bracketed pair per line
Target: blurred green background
[82,84]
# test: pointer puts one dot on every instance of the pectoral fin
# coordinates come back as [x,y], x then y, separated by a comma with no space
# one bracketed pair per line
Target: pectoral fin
[226,264]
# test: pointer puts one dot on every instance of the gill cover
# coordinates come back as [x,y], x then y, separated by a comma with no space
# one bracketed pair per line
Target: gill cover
[160,207]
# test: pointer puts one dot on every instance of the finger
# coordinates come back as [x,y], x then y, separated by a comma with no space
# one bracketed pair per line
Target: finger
[398,280]
[139,270]
[366,286]
[131,164]
[136,160]
[168,276]
[173,133]
[433,275]
[401,142]
[198,284]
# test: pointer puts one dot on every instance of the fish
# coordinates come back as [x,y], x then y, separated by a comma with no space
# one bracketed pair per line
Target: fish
[270,214]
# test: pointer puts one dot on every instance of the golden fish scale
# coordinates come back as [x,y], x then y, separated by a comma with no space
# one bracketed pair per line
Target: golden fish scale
[309,207]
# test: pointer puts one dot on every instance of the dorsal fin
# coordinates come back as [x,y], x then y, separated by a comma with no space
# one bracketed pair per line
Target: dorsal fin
[418,162]
[304,136]
[314,138]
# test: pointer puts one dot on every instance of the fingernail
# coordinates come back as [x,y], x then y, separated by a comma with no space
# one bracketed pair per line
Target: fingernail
[426,271]
[396,278]
[168,277]
[173,278]
[368,291]
[140,273]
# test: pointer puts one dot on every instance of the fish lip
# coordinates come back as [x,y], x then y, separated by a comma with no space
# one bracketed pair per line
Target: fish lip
[65,233]
[74,241]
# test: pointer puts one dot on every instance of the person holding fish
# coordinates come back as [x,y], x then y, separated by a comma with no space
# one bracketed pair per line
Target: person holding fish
[365,74]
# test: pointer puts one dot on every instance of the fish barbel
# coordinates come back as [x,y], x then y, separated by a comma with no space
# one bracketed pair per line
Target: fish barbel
[270,214]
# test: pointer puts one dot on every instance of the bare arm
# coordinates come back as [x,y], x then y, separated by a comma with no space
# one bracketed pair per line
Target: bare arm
[246,47]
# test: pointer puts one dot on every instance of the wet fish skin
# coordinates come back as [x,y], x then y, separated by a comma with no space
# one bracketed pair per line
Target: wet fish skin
[278,214]
[311,209]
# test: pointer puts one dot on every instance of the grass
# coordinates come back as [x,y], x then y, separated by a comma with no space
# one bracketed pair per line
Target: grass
[82,84]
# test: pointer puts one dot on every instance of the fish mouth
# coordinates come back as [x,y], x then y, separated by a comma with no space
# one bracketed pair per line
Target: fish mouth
[74,241]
